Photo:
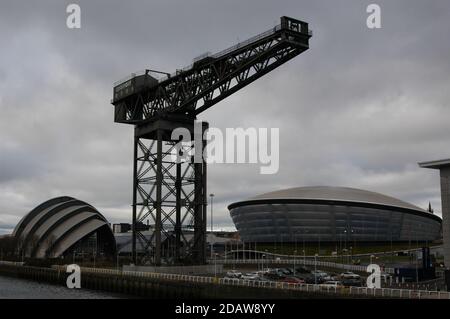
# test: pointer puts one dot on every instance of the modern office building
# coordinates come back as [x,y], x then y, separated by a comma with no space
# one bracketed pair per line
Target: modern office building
[332,214]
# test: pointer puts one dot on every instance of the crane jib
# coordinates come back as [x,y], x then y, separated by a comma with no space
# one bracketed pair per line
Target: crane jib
[211,77]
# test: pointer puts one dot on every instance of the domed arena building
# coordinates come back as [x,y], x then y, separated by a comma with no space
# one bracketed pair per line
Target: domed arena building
[62,226]
[332,214]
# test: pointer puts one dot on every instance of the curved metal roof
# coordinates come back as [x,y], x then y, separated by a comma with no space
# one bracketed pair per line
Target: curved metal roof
[55,225]
[331,193]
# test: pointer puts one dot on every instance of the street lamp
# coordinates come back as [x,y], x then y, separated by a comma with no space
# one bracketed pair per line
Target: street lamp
[215,265]
[354,239]
[211,196]
[417,259]
[315,269]
[304,258]
[392,251]
[345,238]
[417,267]
[295,257]
[95,249]
[295,238]
[319,246]
[304,250]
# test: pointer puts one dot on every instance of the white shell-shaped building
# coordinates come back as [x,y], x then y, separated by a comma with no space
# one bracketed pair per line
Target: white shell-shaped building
[58,225]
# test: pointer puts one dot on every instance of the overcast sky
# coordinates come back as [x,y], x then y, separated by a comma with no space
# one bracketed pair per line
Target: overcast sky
[359,109]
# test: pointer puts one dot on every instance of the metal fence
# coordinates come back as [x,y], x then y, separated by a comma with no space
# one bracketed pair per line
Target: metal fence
[399,293]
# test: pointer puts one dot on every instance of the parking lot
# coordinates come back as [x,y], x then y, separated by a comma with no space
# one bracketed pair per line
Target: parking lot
[300,275]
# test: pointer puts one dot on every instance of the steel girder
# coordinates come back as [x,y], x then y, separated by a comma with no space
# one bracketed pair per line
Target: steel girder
[170,197]
[213,78]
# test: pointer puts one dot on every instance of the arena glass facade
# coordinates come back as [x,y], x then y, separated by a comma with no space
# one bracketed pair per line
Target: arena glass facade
[332,214]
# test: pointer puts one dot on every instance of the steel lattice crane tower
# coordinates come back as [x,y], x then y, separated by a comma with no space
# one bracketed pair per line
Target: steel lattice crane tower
[172,194]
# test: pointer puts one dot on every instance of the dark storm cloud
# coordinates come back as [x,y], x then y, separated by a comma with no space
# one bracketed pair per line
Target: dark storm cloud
[359,109]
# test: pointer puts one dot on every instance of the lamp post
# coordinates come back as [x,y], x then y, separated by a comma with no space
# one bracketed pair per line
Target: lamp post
[417,267]
[215,265]
[225,255]
[295,239]
[211,196]
[345,238]
[304,250]
[392,252]
[351,248]
[265,258]
[95,249]
[319,246]
[354,239]
[417,260]
[295,257]
[304,258]
[315,269]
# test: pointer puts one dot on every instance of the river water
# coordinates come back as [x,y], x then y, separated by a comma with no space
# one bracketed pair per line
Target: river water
[14,288]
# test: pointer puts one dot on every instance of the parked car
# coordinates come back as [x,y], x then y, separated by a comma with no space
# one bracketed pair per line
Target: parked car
[308,278]
[319,274]
[331,277]
[274,274]
[286,271]
[302,270]
[272,277]
[250,276]
[317,278]
[331,284]
[350,275]
[293,280]
[261,273]
[262,277]
[352,282]
[233,274]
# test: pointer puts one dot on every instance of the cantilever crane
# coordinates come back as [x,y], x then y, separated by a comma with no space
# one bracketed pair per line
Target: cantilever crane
[171,193]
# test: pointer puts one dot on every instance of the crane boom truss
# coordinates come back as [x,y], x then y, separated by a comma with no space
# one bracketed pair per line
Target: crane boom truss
[211,79]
